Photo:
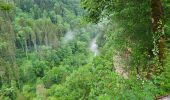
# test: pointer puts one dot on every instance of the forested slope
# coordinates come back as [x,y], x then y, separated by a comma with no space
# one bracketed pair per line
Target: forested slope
[110,50]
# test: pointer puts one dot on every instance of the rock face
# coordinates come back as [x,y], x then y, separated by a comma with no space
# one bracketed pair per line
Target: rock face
[119,66]
[164,97]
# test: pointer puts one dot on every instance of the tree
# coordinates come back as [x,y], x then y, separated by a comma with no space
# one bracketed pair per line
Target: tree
[158,28]
[8,37]
[135,19]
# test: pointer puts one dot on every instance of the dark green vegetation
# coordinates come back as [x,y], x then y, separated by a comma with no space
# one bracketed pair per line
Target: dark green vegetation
[45,55]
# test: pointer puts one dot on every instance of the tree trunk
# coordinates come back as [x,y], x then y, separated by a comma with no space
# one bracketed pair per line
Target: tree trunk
[26,48]
[46,38]
[157,28]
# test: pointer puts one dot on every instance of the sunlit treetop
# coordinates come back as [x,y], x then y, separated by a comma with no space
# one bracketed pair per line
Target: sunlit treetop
[5,6]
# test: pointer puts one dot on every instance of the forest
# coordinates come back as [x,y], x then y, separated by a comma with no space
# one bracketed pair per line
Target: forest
[84,49]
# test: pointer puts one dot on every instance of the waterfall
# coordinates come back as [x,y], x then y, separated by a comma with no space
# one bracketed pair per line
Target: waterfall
[94,46]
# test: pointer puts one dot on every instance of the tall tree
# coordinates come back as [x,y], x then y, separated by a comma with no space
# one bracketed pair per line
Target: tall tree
[135,18]
[8,37]
[158,28]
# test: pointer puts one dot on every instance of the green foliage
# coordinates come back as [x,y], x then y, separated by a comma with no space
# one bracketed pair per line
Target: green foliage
[45,50]
[5,6]
[163,80]
[56,75]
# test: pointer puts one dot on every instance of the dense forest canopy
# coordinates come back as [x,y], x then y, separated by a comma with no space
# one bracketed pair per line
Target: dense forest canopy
[84,49]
